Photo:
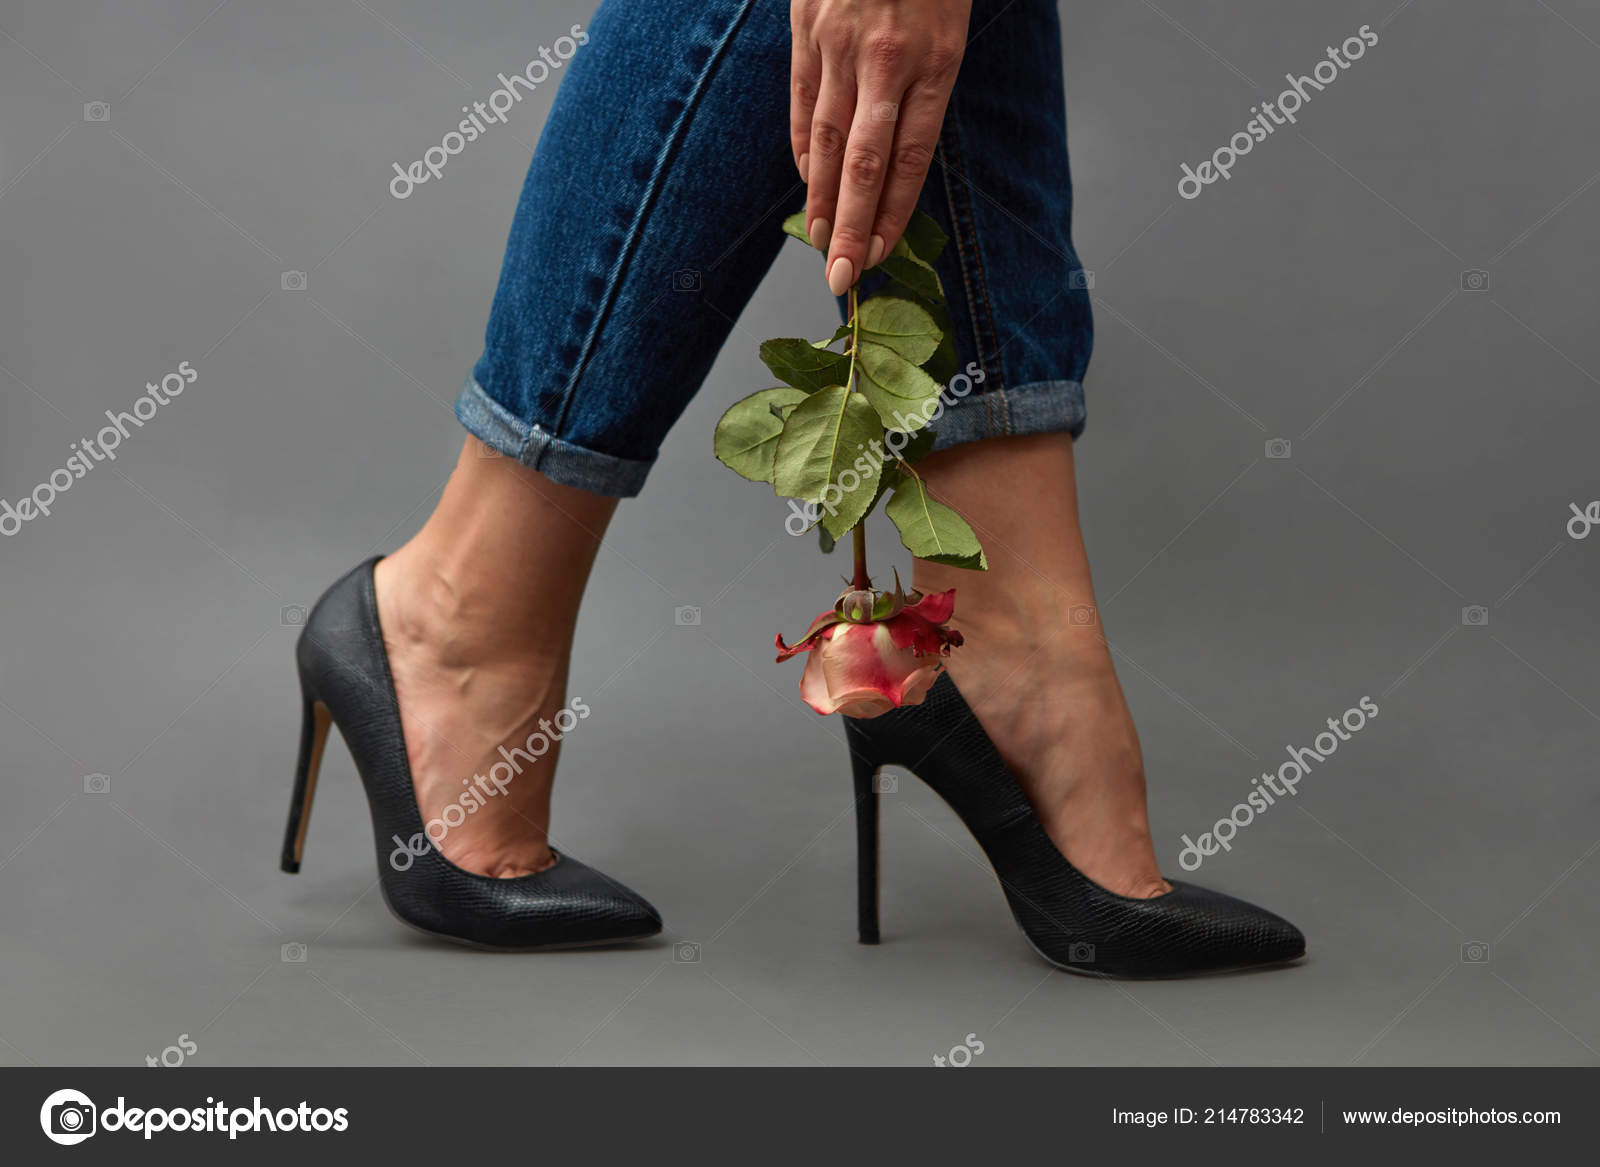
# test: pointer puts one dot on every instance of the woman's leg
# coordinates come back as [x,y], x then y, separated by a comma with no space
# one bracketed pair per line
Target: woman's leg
[1041,681]
[651,211]
[650,214]
[478,612]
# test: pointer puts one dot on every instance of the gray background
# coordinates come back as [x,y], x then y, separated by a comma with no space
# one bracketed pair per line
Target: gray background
[1438,435]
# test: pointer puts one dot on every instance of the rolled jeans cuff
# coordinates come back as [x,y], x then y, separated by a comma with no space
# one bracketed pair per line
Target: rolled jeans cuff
[1039,407]
[532,445]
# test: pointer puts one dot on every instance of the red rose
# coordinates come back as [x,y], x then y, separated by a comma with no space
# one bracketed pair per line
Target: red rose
[862,668]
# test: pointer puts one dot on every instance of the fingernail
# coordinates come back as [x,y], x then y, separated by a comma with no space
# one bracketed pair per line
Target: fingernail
[875,251]
[805,166]
[840,276]
[820,232]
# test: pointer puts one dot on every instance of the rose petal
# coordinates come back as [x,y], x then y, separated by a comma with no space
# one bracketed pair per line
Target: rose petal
[814,687]
[918,684]
[854,664]
[866,707]
[818,630]
[936,608]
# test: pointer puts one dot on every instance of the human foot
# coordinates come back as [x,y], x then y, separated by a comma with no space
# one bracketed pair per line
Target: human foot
[468,710]
[478,612]
[1057,715]
[1035,667]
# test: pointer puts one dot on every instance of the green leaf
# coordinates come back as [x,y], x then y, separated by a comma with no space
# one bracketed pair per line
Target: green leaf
[797,362]
[838,334]
[747,436]
[930,530]
[918,447]
[924,236]
[825,540]
[889,480]
[944,365]
[896,388]
[899,325]
[795,225]
[826,445]
[916,276]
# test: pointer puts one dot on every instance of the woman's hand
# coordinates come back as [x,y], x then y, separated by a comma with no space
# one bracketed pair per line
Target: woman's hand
[868,86]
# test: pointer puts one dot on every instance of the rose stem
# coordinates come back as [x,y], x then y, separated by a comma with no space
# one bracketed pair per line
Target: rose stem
[862,581]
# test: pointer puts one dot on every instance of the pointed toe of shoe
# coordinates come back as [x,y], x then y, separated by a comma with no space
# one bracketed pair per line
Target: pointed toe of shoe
[1284,942]
[629,916]
[569,905]
[1221,932]
[572,905]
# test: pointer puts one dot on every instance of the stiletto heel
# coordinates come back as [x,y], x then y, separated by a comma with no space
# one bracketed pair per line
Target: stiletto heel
[1070,920]
[314,725]
[866,776]
[345,680]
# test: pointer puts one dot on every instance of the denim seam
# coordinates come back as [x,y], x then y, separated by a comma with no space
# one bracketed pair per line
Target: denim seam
[556,458]
[956,229]
[669,151]
[965,222]
[1037,407]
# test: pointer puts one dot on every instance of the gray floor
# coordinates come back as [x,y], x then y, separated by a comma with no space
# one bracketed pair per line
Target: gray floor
[1439,430]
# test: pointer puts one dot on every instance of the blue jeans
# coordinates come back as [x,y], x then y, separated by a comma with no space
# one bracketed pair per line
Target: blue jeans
[652,208]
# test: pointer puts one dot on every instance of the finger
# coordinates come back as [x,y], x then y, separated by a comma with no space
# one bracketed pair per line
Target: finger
[866,161]
[830,129]
[915,140]
[805,76]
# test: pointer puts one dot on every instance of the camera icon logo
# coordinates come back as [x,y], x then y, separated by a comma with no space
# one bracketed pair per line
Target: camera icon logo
[1278,448]
[885,784]
[1080,953]
[292,615]
[686,952]
[1082,614]
[685,279]
[294,281]
[1475,280]
[1475,952]
[96,111]
[885,111]
[687,616]
[67,1117]
[293,953]
[1475,616]
[1081,280]
[97,784]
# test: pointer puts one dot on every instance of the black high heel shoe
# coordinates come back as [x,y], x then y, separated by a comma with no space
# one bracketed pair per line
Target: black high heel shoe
[1070,920]
[345,680]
